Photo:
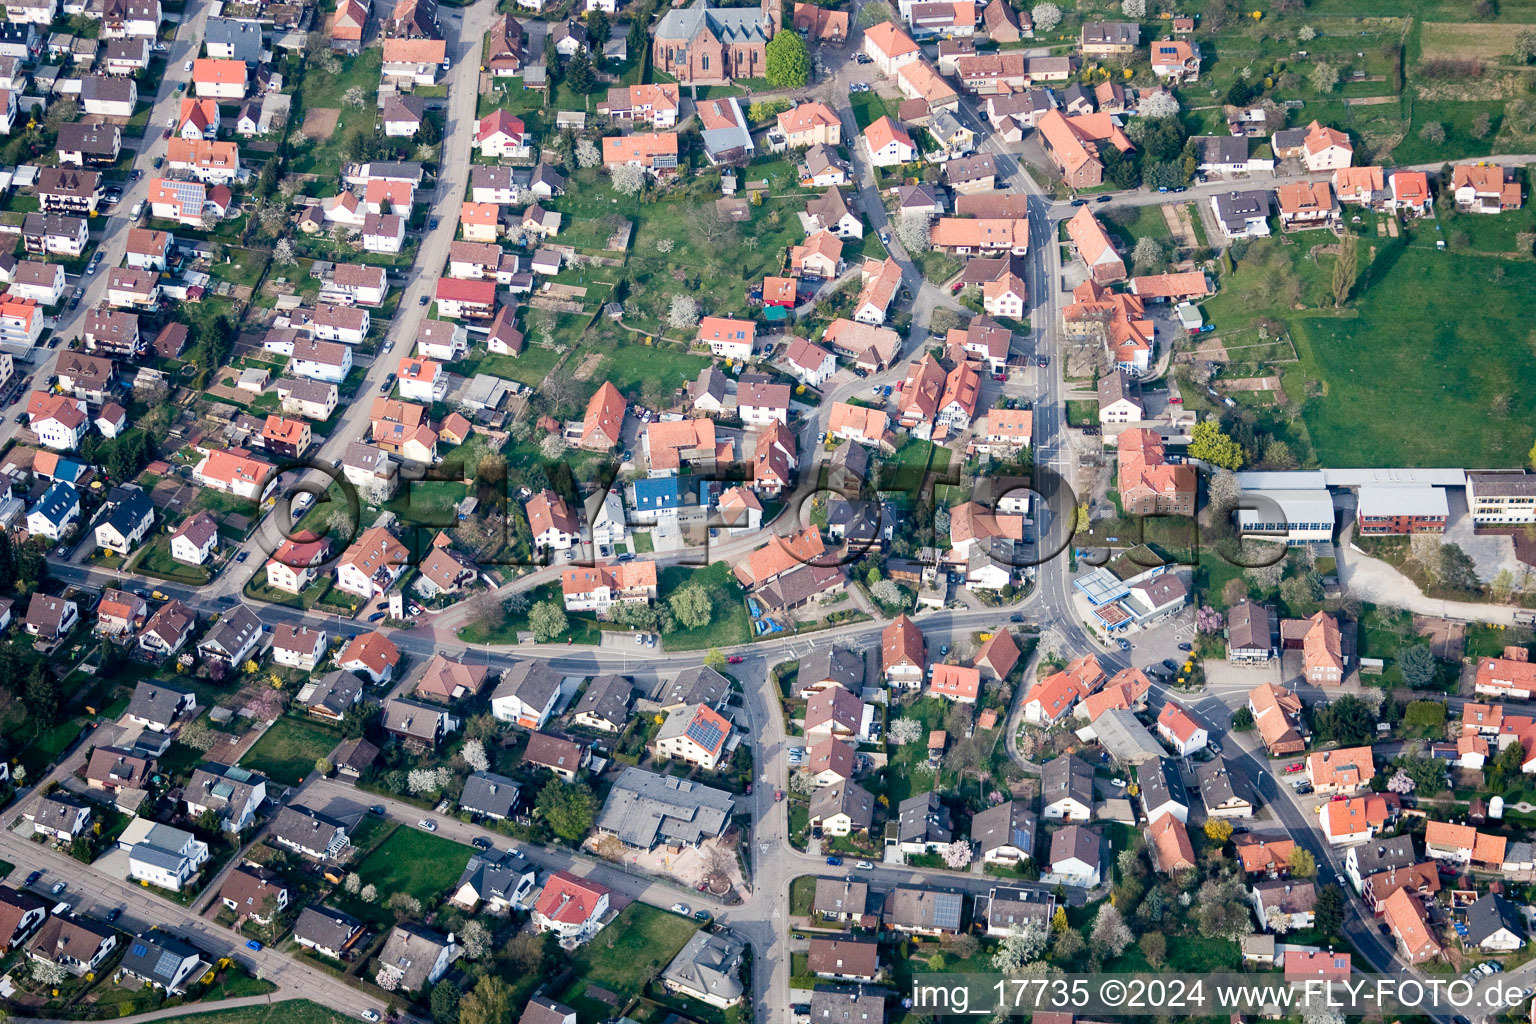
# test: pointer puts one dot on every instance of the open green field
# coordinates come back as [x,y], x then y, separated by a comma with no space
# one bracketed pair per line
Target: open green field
[286,752]
[286,1011]
[415,862]
[1416,352]
[325,154]
[641,941]
[629,365]
[730,624]
[869,107]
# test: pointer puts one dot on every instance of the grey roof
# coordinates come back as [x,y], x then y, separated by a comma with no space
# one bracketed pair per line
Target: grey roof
[156,956]
[858,519]
[1066,776]
[305,828]
[1008,907]
[840,896]
[532,682]
[232,632]
[709,963]
[847,1006]
[698,685]
[155,701]
[244,36]
[924,819]
[1223,149]
[971,168]
[1234,207]
[1075,841]
[495,873]
[644,807]
[1118,385]
[730,25]
[156,856]
[1490,914]
[843,797]
[489,793]
[1217,784]
[851,458]
[1160,784]
[336,692]
[925,909]
[837,664]
[829,207]
[57,809]
[413,952]
[608,697]
[1122,33]
[412,718]
[1077,92]
[1007,824]
[126,508]
[1288,138]
[1249,627]
[221,785]
[1384,855]
[325,927]
[37,224]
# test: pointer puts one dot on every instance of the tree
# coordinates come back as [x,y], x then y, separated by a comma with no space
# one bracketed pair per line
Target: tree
[1046,16]
[692,606]
[579,74]
[282,253]
[788,61]
[904,731]
[1133,8]
[1306,33]
[323,767]
[915,232]
[683,312]
[489,1002]
[1525,47]
[368,893]
[354,97]
[597,28]
[1160,103]
[1209,444]
[1417,664]
[473,753]
[1349,721]
[47,973]
[61,113]
[1218,830]
[1401,783]
[1482,124]
[1301,862]
[1457,570]
[404,905]
[387,978]
[1505,772]
[352,884]
[628,179]
[587,153]
[715,658]
[1242,720]
[547,620]
[1019,947]
[957,854]
[1502,586]
[1221,909]
[1346,268]
[1433,131]
[445,1002]
[567,809]
[1110,932]
[1149,254]
[1325,77]
[1328,913]
[475,938]
[1154,946]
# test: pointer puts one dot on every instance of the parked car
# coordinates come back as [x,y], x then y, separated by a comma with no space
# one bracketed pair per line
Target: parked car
[58,887]
[778,796]
[1079,202]
[375,617]
[1185,647]
[703,915]
[253,945]
[480,843]
[33,877]
[682,908]
[834,862]
[1293,767]
[735,659]
[114,914]
[1104,199]
[370,1015]
[864,865]
[1170,665]
[423,300]
[428,824]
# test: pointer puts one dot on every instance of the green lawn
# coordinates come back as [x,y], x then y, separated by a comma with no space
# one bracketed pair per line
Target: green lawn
[154,559]
[641,941]
[530,367]
[289,1011]
[287,751]
[1439,339]
[628,366]
[582,630]
[414,862]
[730,624]
[324,156]
[869,107]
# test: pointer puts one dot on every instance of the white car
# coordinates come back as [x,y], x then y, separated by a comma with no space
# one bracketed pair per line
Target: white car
[187,66]
[370,1015]
[428,824]
[864,865]
[682,908]
[170,122]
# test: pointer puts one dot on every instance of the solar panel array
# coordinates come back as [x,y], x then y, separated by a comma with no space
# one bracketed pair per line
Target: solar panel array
[705,732]
[946,909]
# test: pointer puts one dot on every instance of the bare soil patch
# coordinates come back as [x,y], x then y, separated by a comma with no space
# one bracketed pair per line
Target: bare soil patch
[320,122]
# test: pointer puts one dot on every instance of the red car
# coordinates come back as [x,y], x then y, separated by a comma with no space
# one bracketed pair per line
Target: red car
[778,796]
[1000,377]
[735,659]
[1294,767]
[1175,401]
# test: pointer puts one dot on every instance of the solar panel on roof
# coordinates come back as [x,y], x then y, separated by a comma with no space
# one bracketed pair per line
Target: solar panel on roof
[705,732]
[946,908]
[139,949]
[167,964]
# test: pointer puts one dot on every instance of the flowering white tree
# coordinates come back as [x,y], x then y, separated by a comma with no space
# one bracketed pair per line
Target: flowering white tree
[387,978]
[475,938]
[802,783]
[282,253]
[958,854]
[587,154]
[905,730]
[628,179]
[683,313]
[1021,946]
[1110,932]
[552,446]
[665,245]
[1133,8]
[886,592]
[1401,783]
[352,884]
[46,972]
[354,97]
[1046,16]
[369,894]
[473,753]
[1160,103]
[915,231]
